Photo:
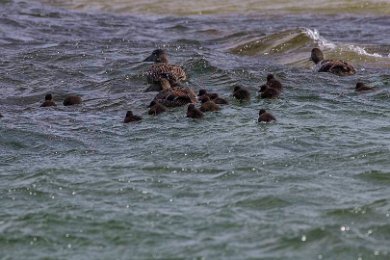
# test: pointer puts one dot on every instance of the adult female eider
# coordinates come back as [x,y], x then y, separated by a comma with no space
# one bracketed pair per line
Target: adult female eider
[48,101]
[264,116]
[338,67]
[161,68]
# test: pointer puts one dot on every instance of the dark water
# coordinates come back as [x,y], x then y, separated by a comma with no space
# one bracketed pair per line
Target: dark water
[76,183]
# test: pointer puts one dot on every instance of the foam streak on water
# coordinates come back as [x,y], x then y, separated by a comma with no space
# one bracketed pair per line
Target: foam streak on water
[76,183]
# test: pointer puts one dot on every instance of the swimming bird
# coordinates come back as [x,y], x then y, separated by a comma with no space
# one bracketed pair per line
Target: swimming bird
[161,68]
[48,101]
[176,92]
[264,116]
[131,118]
[72,100]
[360,86]
[208,105]
[1,115]
[193,112]
[268,92]
[337,67]
[273,83]
[241,94]
[218,100]
[156,108]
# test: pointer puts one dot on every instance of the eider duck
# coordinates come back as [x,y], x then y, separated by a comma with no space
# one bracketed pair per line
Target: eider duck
[241,93]
[72,100]
[208,105]
[273,83]
[48,101]
[176,92]
[338,67]
[193,112]
[360,86]
[161,68]
[218,100]
[268,92]
[156,108]
[131,118]
[264,116]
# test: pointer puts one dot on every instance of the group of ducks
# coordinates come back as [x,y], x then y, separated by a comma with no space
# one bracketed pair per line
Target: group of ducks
[165,78]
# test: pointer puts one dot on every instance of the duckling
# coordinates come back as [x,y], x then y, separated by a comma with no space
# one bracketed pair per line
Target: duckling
[48,101]
[193,112]
[156,108]
[72,100]
[264,116]
[360,86]
[173,101]
[268,92]
[208,105]
[273,83]
[131,118]
[1,115]
[162,68]
[338,67]
[176,91]
[241,94]
[218,100]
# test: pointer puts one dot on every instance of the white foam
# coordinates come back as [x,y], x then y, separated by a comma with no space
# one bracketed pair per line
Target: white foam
[324,43]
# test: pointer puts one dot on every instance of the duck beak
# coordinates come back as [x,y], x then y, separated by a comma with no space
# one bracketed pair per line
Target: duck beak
[150,58]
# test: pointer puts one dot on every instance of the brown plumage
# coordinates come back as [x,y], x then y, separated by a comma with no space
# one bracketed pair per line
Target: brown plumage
[208,105]
[337,67]
[72,100]
[241,93]
[360,86]
[193,112]
[264,116]
[131,118]
[218,100]
[178,96]
[156,108]
[48,101]
[268,92]
[161,68]
[273,83]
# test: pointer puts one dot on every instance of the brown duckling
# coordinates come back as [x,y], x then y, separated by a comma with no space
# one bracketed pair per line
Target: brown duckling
[360,86]
[268,92]
[241,94]
[156,108]
[161,68]
[193,112]
[337,67]
[208,105]
[131,118]
[264,116]
[273,83]
[72,100]
[48,101]
[218,100]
